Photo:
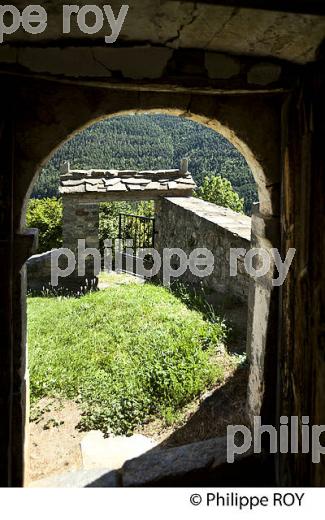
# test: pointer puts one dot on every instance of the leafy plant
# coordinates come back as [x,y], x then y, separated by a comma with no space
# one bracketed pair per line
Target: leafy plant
[220,191]
[46,216]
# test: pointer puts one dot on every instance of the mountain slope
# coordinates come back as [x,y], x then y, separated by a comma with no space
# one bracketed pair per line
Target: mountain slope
[151,142]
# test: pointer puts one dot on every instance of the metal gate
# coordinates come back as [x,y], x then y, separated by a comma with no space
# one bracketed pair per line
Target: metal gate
[135,232]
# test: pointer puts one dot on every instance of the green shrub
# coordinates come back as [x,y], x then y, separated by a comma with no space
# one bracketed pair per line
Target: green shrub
[220,191]
[46,216]
[128,354]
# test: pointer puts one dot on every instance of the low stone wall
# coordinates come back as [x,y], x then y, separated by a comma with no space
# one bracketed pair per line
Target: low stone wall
[39,272]
[190,223]
[39,276]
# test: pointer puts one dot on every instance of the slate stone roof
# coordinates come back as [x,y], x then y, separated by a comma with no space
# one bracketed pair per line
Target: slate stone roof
[171,182]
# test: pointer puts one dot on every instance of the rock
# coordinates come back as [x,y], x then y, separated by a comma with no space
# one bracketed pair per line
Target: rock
[221,66]
[177,463]
[264,74]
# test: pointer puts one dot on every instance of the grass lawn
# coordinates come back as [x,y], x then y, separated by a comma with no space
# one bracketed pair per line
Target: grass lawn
[127,354]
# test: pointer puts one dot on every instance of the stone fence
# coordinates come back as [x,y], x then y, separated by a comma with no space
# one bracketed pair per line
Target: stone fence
[181,222]
[189,223]
[39,276]
[39,272]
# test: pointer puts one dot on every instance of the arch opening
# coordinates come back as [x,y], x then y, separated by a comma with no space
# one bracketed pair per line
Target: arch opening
[264,193]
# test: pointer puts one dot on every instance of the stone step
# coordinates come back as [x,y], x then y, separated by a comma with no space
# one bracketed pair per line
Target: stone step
[112,452]
[80,479]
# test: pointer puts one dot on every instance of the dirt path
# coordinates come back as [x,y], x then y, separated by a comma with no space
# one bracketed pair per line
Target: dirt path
[55,439]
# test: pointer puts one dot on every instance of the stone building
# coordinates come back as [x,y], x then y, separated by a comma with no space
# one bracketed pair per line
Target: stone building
[253,74]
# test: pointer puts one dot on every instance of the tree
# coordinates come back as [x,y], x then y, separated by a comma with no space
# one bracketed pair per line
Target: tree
[46,216]
[219,191]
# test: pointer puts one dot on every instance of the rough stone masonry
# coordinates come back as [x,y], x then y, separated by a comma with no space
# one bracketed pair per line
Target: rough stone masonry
[189,223]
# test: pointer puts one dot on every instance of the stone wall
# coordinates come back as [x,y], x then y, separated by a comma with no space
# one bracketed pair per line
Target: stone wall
[39,272]
[39,280]
[80,221]
[190,223]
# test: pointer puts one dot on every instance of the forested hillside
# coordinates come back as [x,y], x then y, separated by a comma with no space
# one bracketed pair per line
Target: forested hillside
[151,142]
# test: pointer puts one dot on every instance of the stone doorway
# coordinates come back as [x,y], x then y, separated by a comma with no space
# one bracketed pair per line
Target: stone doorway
[262,190]
[81,189]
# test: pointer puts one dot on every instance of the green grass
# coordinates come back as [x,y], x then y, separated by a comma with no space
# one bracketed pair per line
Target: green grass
[127,354]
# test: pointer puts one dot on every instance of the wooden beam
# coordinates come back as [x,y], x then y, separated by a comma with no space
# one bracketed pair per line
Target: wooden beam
[146,87]
[311,7]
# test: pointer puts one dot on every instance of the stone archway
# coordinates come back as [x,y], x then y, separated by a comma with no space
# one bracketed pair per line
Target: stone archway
[48,114]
